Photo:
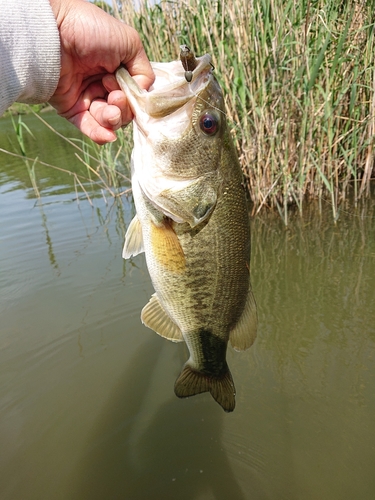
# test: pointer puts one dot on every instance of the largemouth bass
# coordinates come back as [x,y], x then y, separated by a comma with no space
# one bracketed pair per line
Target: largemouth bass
[192,221]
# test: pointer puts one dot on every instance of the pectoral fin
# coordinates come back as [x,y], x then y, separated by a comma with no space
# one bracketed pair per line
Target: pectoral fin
[154,316]
[133,239]
[245,331]
[167,248]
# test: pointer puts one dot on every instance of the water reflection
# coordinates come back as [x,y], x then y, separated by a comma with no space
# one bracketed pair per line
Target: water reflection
[51,253]
[141,449]
[65,162]
[314,286]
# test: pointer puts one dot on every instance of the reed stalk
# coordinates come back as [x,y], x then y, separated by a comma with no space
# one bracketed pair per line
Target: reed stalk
[20,127]
[299,85]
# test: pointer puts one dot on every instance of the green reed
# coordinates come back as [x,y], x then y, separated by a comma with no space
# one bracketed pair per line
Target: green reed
[105,167]
[299,86]
[20,128]
[298,79]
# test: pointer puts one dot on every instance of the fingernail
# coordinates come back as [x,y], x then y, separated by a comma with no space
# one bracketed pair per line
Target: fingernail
[115,121]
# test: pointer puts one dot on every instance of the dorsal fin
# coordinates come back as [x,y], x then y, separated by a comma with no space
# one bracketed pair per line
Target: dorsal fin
[245,331]
[133,239]
[153,315]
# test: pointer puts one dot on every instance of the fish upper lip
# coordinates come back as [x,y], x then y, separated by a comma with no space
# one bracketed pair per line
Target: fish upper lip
[169,92]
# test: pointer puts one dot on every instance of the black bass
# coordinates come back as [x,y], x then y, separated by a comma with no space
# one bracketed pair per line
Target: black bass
[192,221]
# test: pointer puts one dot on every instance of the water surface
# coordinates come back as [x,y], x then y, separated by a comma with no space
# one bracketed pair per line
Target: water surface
[87,409]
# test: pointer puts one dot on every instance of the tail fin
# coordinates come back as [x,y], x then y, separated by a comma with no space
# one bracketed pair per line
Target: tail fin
[191,382]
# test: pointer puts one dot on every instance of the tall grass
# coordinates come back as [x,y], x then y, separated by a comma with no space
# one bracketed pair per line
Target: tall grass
[105,169]
[20,128]
[298,79]
[299,85]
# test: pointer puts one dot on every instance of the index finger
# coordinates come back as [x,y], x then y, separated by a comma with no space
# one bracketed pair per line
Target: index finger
[138,63]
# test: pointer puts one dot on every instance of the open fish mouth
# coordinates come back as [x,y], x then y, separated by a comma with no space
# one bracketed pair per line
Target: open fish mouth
[173,88]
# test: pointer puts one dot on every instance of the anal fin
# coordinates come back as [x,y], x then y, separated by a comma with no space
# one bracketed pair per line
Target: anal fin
[191,382]
[153,315]
[244,333]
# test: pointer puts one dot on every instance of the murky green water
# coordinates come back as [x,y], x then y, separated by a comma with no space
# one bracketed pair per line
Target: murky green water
[87,409]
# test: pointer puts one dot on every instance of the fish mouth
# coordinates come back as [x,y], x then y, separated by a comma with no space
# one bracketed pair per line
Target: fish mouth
[173,88]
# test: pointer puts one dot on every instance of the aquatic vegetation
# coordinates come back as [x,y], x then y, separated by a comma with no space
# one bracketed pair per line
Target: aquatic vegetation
[20,127]
[299,84]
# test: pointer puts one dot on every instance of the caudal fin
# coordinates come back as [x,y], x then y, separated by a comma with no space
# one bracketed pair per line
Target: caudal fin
[191,382]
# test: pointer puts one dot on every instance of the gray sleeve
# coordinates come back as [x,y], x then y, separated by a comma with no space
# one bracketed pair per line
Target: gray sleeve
[29,52]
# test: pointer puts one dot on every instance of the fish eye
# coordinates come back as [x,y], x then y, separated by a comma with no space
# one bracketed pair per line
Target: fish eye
[209,123]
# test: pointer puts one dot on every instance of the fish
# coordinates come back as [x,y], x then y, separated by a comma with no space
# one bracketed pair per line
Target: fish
[192,221]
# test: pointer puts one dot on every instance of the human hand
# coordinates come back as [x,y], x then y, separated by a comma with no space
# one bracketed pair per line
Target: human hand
[93,45]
